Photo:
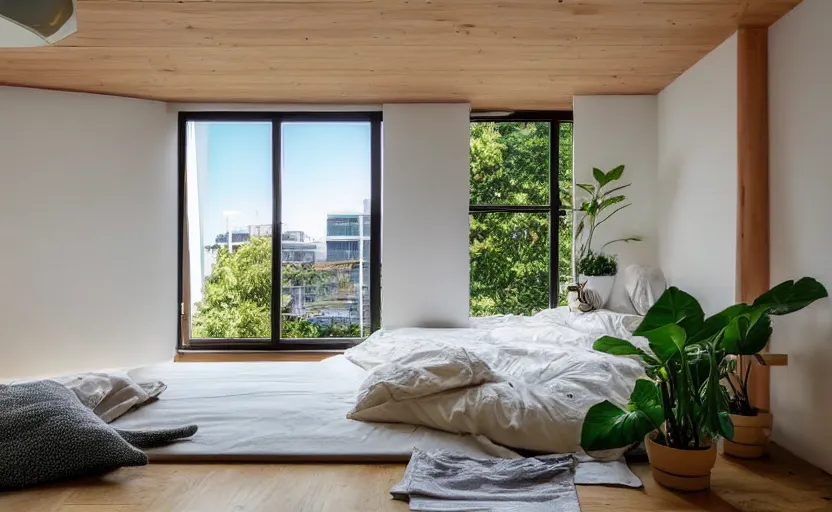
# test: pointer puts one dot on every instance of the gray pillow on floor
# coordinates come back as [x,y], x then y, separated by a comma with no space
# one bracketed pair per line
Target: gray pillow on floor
[47,434]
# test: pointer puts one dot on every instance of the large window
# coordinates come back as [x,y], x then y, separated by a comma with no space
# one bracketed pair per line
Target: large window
[305,187]
[521,243]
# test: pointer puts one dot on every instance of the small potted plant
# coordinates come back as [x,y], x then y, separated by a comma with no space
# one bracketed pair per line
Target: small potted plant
[596,268]
[680,408]
[752,426]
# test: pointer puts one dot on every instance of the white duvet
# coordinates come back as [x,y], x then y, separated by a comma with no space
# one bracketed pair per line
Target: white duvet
[523,382]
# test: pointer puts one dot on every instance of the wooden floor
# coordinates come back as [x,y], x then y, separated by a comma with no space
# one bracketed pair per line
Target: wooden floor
[780,483]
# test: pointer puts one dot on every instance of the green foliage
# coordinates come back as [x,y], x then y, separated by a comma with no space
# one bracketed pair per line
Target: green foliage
[598,264]
[237,297]
[340,331]
[689,357]
[601,205]
[298,328]
[303,274]
[510,251]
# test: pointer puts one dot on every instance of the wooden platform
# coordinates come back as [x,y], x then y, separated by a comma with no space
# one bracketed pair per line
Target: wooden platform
[779,483]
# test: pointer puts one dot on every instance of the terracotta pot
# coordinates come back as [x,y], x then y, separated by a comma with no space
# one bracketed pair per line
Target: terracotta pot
[682,470]
[751,435]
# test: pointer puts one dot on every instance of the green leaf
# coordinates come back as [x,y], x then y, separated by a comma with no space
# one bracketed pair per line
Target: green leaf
[673,307]
[666,341]
[647,398]
[608,426]
[615,174]
[599,176]
[746,335]
[590,207]
[717,322]
[788,297]
[586,186]
[625,240]
[609,202]
[619,347]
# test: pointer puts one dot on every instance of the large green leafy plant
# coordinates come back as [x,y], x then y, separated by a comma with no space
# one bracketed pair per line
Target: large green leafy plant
[682,397]
[605,200]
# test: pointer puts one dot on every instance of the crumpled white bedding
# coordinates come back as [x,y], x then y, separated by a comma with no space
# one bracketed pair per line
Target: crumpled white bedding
[522,382]
[111,395]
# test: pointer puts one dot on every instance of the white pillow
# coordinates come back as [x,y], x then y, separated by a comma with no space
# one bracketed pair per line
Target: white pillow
[619,300]
[645,285]
[636,289]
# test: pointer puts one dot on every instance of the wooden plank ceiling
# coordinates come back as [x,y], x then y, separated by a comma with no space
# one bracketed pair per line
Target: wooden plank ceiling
[496,54]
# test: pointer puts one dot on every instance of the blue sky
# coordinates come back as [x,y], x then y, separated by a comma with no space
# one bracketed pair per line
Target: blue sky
[325,169]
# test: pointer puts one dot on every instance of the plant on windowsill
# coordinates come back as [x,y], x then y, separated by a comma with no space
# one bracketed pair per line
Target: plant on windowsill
[597,268]
[681,407]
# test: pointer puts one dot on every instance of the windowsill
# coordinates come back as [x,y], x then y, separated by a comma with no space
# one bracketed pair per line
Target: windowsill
[237,356]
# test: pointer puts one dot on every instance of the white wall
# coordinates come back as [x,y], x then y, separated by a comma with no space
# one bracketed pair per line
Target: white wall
[610,131]
[800,74]
[425,186]
[88,213]
[697,179]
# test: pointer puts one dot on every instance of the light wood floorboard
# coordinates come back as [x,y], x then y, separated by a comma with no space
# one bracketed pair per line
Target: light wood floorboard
[778,483]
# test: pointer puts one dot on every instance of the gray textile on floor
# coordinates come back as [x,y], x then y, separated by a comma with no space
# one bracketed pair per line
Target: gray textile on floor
[612,473]
[443,482]
[47,434]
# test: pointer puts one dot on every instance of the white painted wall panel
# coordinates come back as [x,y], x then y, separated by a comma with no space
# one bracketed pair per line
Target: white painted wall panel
[425,190]
[88,208]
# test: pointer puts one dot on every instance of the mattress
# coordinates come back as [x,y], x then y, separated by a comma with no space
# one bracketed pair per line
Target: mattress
[296,412]
[287,411]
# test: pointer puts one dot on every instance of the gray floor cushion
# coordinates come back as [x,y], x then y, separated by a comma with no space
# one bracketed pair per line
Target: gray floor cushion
[47,434]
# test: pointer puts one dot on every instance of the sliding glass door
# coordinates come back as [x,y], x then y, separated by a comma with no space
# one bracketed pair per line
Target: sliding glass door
[280,229]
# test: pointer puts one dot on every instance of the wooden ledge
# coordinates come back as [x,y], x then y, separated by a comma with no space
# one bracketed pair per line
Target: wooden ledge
[775,359]
[250,357]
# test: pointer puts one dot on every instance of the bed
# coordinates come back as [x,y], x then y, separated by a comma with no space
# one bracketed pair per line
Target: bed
[297,411]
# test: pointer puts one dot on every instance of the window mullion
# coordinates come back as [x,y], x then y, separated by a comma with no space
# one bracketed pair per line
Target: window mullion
[277,233]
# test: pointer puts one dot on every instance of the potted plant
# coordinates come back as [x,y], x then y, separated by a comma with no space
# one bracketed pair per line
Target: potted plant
[680,408]
[752,426]
[595,268]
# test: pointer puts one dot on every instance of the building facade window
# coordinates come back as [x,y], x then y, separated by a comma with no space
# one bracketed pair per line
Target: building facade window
[255,185]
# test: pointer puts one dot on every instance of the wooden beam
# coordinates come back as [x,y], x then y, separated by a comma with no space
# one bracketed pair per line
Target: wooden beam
[752,187]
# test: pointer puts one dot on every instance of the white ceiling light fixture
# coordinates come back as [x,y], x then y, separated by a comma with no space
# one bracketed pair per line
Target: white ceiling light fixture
[27,23]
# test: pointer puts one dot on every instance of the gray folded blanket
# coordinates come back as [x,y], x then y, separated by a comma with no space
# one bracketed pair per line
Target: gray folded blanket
[446,482]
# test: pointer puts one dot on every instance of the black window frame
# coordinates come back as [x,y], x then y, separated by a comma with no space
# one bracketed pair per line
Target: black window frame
[277,342]
[554,208]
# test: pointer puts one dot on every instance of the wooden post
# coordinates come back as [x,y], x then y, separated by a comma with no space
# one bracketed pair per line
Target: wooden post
[753,277]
